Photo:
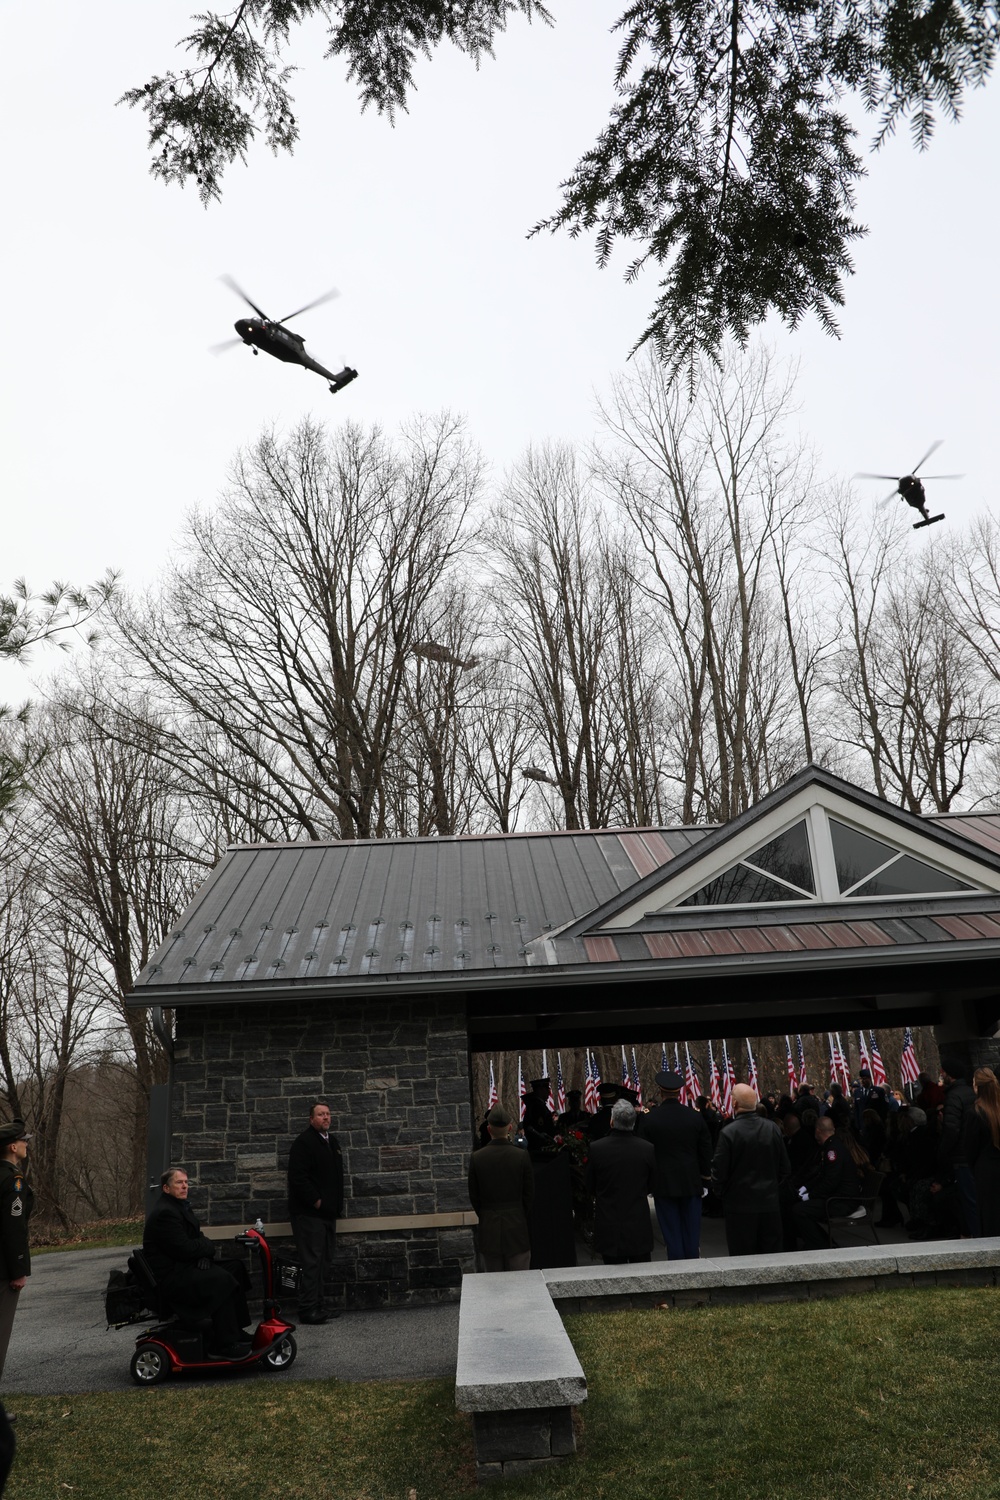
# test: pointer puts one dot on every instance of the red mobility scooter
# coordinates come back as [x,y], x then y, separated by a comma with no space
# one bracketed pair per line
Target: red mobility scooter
[178,1345]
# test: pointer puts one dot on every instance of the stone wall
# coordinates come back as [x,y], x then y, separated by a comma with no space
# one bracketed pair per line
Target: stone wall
[396,1075]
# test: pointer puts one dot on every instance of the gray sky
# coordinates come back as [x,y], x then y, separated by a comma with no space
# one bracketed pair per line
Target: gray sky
[116,418]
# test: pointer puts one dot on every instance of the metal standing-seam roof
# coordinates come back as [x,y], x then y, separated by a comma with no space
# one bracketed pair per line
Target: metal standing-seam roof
[391,907]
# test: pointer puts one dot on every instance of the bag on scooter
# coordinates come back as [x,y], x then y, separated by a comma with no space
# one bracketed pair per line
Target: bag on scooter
[125,1301]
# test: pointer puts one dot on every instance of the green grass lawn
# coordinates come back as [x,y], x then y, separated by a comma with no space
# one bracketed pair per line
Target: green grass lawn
[893,1397]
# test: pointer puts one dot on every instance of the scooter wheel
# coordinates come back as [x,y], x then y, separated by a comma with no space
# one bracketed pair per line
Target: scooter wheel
[282,1354]
[150,1365]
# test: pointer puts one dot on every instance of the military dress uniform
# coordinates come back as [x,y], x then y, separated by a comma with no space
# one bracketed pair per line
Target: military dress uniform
[16,1203]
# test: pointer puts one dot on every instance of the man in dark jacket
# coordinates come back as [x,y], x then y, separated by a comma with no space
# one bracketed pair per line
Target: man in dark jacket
[315,1202]
[180,1257]
[16,1200]
[501,1188]
[681,1139]
[952,1164]
[621,1172]
[748,1168]
[834,1188]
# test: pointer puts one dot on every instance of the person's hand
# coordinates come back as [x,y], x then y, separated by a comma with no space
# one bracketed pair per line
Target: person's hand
[19,1284]
[318,1203]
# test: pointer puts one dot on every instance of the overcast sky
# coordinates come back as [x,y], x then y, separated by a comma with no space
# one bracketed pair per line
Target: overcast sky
[116,418]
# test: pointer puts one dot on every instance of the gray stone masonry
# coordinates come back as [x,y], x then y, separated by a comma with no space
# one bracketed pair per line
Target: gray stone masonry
[396,1075]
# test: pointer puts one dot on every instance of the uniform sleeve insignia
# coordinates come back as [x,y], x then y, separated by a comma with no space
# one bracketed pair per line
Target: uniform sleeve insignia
[16,1209]
[17,1184]
[831,1156]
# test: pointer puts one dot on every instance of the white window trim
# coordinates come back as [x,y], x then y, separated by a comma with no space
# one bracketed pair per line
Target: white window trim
[816,810]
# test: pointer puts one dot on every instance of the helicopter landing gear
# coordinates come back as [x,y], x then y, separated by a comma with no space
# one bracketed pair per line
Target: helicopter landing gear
[927,521]
[255,353]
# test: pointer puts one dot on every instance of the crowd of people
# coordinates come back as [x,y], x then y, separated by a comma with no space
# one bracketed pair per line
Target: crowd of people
[779,1171]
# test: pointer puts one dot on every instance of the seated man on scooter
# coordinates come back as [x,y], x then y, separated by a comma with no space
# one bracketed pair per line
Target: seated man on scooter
[181,1258]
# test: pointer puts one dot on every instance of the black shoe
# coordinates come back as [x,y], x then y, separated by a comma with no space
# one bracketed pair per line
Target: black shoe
[312,1317]
[330,1313]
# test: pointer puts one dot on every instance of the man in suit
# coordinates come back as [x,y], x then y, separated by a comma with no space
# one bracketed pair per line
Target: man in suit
[620,1173]
[682,1142]
[183,1261]
[315,1203]
[748,1168]
[600,1123]
[501,1187]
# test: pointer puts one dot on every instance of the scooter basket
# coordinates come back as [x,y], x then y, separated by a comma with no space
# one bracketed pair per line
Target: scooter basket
[125,1301]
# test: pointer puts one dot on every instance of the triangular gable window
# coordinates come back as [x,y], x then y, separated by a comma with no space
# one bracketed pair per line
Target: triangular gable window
[780,870]
[784,869]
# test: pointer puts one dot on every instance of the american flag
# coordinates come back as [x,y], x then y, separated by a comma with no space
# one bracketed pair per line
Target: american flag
[865,1061]
[494,1096]
[792,1079]
[834,1070]
[626,1082]
[550,1102]
[560,1087]
[752,1070]
[715,1091]
[879,1078]
[636,1082]
[728,1079]
[845,1073]
[691,1078]
[908,1065]
[664,1060]
[520,1089]
[803,1076]
[589,1091]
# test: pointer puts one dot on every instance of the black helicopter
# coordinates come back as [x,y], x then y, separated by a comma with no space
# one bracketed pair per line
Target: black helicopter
[273,337]
[911,489]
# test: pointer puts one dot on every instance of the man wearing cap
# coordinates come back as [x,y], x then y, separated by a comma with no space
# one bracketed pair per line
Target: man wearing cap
[748,1168]
[682,1142]
[620,1174]
[600,1123]
[537,1115]
[501,1187]
[16,1202]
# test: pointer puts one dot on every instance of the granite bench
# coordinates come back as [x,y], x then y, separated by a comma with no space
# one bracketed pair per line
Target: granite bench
[518,1373]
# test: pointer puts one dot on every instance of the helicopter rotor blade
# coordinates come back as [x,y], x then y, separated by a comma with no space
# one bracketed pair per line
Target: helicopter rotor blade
[326,297]
[944,476]
[235,287]
[891,496]
[896,477]
[932,449]
[226,344]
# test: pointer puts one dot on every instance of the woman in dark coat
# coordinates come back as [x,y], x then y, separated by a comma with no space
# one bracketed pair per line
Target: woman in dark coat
[982,1148]
[180,1257]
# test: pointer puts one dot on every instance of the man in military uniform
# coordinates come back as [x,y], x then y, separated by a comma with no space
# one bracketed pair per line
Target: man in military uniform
[600,1123]
[574,1118]
[537,1115]
[501,1189]
[16,1201]
[836,1186]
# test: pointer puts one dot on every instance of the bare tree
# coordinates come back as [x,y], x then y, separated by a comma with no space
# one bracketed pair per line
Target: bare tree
[285,634]
[912,689]
[557,609]
[719,500]
[117,862]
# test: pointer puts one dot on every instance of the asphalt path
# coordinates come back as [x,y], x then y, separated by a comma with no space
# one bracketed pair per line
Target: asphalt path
[61,1344]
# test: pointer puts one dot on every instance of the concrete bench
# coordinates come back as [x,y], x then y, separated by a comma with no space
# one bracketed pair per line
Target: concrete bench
[518,1374]
[795,1276]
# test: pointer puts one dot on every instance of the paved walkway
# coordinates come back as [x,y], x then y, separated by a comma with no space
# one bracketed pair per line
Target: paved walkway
[61,1344]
